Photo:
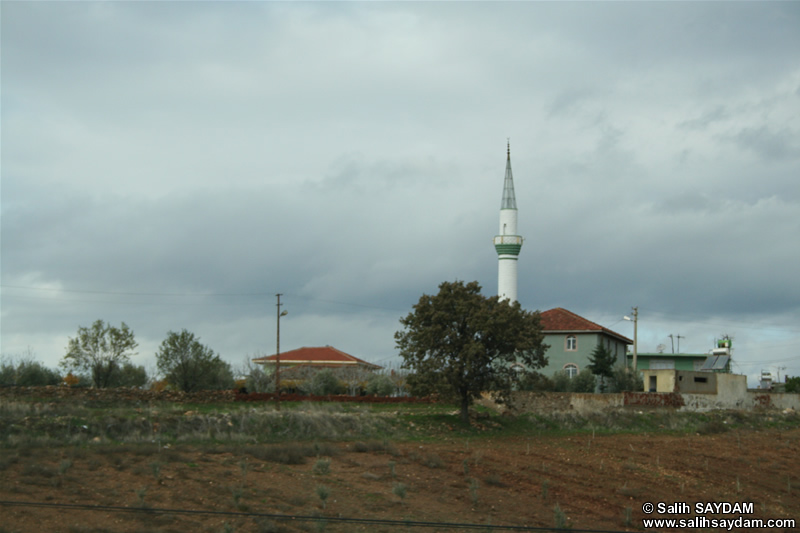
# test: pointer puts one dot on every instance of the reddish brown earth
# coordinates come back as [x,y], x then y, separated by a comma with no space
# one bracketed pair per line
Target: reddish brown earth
[594,480]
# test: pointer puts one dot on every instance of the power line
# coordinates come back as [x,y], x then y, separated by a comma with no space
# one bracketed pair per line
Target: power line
[696,318]
[121,302]
[796,358]
[297,518]
[127,293]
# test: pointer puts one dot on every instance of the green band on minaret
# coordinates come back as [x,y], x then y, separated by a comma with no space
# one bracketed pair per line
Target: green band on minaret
[508,249]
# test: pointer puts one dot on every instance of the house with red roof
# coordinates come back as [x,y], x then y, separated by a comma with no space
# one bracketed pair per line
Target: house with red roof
[572,339]
[316,357]
[300,365]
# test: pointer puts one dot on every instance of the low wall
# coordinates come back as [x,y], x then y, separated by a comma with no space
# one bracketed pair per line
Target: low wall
[338,398]
[584,404]
[653,399]
[124,395]
[749,400]
[118,395]
[521,402]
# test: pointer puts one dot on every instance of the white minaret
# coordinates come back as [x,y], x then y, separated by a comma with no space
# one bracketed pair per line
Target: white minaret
[508,243]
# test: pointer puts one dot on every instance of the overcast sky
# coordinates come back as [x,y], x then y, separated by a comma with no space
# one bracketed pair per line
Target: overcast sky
[176,164]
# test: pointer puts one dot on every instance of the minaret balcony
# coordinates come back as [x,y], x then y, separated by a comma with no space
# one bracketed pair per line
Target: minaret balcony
[508,244]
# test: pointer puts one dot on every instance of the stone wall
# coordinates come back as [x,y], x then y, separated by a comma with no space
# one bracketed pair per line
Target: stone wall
[521,402]
[581,403]
[116,396]
[748,400]
[584,404]
[127,396]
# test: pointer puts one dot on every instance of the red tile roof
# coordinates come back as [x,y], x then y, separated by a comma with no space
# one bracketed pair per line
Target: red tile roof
[317,356]
[560,320]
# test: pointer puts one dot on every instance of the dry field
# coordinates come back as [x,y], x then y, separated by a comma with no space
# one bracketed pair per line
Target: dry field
[412,466]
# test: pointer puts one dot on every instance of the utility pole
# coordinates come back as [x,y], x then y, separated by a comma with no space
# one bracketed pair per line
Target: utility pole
[278,355]
[679,342]
[635,336]
[672,340]
[635,321]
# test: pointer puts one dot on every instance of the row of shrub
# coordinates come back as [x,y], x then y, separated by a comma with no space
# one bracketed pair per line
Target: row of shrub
[339,398]
[326,382]
[30,373]
[622,380]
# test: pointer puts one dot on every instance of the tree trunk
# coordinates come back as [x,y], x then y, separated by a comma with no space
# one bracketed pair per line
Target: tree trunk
[465,409]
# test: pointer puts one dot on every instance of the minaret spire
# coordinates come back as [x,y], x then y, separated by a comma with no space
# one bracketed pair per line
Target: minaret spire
[509,200]
[508,244]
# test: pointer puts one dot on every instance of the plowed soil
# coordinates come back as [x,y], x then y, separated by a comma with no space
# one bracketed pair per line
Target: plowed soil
[597,482]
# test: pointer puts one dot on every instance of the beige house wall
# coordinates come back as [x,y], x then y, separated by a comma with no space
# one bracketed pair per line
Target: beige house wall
[726,386]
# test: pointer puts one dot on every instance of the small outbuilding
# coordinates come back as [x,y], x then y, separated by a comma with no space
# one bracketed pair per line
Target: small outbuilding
[316,358]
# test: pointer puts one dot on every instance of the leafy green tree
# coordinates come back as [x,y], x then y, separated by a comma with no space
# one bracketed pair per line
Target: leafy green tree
[130,375]
[256,378]
[189,366]
[459,343]
[793,384]
[601,363]
[220,376]
[8,374]
[585,381]
[27,372]
[354,379]
[380,385]
[536,382]
[35,374]
[626,380]
[324,383]
[561,381]
[100,350]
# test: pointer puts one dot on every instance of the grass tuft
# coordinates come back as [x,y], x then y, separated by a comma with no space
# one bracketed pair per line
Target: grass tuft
[322,467]
[560,518]
[324,493]
[399,490]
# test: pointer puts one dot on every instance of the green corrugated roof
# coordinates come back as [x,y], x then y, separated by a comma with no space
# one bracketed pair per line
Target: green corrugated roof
[669,355]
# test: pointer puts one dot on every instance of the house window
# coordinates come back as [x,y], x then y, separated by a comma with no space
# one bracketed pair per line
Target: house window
[571,369]
[572,343]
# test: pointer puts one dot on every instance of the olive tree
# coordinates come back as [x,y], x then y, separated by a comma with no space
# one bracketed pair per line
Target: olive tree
[130,375]
[189,366]
[459,343]
[380,385]
[100,351]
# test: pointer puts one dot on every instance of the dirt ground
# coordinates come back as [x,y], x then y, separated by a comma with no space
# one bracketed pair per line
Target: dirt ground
[597,482]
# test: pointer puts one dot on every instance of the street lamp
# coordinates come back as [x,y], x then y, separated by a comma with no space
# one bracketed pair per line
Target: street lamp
[278,354]
[635,321]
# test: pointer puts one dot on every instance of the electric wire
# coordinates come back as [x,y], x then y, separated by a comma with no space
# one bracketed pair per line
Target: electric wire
[297,518]
[183,295]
